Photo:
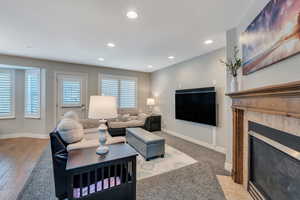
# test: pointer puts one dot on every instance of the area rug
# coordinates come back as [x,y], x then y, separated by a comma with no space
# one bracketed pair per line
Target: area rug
[193,182]
[41,184]
[174,159]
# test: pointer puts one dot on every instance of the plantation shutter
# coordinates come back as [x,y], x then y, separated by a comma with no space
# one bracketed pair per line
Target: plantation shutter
[71,93]
[32,93]
[127,93]
[121,87]
[110,87]
[6,93]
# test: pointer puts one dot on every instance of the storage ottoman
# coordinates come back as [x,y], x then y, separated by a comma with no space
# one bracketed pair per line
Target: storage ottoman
[147,144]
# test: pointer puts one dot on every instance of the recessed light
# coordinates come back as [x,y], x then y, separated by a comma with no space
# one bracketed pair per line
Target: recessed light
[171,57]
[208,42]
[150,66]
[132,15]
[101,59]
[111,44]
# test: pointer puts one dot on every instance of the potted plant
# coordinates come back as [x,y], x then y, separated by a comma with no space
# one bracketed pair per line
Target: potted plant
[233,67]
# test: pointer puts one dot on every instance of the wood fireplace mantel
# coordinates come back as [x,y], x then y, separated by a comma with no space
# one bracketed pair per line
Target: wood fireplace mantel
[282,99]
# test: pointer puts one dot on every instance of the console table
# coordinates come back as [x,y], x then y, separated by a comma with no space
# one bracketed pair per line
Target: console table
[91,177]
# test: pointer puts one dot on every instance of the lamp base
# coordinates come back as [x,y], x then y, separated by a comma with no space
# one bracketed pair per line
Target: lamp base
[102,150]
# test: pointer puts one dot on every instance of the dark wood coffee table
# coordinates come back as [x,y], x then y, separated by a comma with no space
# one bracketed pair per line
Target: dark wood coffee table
[112,176]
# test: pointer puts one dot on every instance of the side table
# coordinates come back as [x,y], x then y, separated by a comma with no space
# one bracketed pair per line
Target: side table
[92,177]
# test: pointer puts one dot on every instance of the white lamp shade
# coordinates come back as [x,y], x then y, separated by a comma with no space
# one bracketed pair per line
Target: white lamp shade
[103,107]
[150,102]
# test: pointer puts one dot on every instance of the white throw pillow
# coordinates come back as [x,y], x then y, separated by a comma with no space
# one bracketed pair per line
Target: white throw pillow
[70,130]
[125,118]
[72,115]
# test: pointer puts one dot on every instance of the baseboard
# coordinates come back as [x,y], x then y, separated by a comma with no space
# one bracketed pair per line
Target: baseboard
[27,135]
[228,167]
[190,139]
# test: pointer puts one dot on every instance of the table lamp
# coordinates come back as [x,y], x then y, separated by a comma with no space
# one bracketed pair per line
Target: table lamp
[150,103]
[102,108]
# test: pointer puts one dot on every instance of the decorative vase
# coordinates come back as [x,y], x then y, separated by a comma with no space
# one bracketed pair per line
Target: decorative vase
[234,84]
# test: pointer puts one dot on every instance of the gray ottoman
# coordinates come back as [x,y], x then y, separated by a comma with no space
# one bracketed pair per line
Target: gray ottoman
[146,143]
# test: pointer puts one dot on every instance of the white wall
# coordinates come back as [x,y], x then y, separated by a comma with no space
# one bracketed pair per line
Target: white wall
[285,71]
[47,123]
[203,71]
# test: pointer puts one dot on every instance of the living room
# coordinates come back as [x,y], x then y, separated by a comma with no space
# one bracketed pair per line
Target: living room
[123,100]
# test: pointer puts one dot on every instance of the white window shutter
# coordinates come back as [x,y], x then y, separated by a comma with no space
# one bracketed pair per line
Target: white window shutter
[127,93]
[71,93]
[33,93]
[124,88]
[6,93]
[110,87]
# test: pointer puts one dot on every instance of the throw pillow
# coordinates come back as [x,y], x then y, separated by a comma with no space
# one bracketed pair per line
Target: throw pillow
[70,130]
[89,123]
[125,117]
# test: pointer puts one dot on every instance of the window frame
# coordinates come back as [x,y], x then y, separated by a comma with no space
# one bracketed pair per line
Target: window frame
[119,78]
[32,116]
[12,114]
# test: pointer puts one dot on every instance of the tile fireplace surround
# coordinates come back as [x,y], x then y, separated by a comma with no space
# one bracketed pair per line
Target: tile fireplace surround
[276,107]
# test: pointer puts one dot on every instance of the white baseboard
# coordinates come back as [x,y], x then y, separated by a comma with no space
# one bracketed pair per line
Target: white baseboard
[198,142]
[27,135]
[228,167]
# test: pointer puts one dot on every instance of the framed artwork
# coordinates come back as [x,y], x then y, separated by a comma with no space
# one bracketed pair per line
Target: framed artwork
[274,35]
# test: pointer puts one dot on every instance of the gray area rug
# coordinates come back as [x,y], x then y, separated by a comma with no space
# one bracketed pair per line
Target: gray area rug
[194,182]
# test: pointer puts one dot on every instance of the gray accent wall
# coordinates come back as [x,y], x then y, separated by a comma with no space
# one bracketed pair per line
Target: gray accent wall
[42,126]
[202,71]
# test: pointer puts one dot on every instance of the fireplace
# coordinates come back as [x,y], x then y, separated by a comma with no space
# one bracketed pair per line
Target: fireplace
[274,166]
[266,141]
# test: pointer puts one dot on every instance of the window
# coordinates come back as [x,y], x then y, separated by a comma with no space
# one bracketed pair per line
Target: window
[6,93]
[124,88]
[71,93]
[33,93]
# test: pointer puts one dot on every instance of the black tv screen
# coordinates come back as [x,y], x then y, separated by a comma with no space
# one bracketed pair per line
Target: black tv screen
[196,105]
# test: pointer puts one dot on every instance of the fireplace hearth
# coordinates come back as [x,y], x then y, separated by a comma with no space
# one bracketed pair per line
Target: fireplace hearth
[274,164]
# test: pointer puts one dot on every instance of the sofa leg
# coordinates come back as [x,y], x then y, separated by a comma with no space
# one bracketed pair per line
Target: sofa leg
[162,156]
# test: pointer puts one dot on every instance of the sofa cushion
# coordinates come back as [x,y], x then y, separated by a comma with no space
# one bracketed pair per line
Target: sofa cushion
[90,123]
[133,118]
[123,118]
[132,123]
[70,130]
[142,117]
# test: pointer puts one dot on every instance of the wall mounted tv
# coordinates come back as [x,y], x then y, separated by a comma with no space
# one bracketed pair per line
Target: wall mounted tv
[196,105]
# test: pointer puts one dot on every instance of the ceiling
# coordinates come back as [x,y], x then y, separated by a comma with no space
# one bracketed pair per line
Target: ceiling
[77,31]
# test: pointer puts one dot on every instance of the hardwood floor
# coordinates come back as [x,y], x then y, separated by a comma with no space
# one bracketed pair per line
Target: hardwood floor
[17,159]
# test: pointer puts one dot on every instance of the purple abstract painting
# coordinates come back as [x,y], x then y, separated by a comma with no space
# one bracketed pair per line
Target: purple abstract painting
[273,35]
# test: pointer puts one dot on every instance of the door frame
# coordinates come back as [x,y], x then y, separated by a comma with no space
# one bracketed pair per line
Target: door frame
[56,74]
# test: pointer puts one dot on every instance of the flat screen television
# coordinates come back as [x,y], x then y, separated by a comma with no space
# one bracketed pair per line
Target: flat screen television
[196,105]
